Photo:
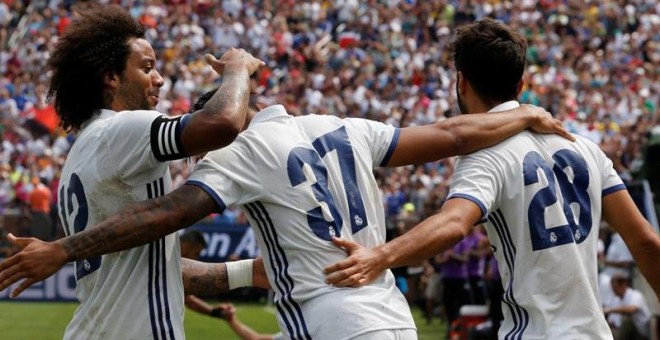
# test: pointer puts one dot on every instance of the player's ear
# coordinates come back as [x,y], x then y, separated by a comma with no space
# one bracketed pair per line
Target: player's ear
[111,80]
[461,85]
[521,84]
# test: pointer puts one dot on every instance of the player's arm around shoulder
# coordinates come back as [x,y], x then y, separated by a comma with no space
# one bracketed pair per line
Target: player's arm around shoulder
[621,213]
[470,132]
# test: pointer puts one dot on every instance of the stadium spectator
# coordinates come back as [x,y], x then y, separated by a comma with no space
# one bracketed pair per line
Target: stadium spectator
[627,311]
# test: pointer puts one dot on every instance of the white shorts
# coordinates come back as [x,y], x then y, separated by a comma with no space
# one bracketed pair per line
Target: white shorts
[389,334]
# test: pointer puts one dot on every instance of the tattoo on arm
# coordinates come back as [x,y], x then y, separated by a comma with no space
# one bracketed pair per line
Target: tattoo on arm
[141,223]
[201,278]
[234,90]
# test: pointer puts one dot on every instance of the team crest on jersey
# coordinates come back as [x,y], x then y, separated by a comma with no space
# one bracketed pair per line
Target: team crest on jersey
[553,237]
[578,235]
[331,231]
[86,265]
[358,220]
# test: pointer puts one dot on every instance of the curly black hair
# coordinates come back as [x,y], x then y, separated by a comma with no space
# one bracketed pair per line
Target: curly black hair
[92,46]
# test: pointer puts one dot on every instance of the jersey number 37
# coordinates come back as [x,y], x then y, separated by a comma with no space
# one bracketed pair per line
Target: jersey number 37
[336,140]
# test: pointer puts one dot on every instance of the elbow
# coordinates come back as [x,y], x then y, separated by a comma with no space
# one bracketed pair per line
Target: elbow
[459,228]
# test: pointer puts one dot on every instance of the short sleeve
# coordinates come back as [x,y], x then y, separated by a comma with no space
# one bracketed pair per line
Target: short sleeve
[478,180]
[229,175]
[140,140]
[380,138]
[611,182]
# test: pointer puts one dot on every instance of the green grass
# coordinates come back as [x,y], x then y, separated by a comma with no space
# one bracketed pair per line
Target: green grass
[46,321]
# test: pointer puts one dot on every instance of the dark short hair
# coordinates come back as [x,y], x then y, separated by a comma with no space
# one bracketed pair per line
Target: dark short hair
[92,46]
[491,56]
[201,101]
[194,237]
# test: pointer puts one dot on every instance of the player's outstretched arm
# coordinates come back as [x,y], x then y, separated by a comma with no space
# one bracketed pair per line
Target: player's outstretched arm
[620,212]
[468,133]
[138,224]
[218,123]
[432,236]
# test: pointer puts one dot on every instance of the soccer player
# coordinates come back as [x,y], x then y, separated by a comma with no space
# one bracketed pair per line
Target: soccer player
[104,85]
[301,181]
[541,197]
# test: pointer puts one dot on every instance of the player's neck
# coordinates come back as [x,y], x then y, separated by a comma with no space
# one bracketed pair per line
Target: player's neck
[478,106]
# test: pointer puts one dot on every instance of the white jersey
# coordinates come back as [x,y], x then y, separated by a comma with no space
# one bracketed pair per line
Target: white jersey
[541,197]
[301,180]
[136,293]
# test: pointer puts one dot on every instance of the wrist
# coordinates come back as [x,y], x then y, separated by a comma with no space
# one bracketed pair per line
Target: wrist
[235,66]
[239,273]
[533,118]
[388,259]
[62,250]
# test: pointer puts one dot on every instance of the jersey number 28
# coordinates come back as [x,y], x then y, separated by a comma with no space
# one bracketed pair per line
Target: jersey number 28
[571,171]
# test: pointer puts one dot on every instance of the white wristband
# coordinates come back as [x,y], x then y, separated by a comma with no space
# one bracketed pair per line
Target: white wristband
[239,273]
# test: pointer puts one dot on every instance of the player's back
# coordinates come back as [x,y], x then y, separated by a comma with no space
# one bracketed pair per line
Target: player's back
[543,198]
[135,293]
[300,181]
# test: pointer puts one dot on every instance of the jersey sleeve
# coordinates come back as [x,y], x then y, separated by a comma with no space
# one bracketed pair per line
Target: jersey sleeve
[380,138]
[229,175]
[139,140]
[477,179]
[611,182]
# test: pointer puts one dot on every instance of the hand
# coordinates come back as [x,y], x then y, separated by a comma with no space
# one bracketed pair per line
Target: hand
[35,262]
[224,311]
[546,123]
[234,56]
[259,277]
[360,268]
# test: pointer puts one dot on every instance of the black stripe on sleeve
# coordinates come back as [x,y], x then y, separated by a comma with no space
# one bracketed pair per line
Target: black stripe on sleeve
[165,138]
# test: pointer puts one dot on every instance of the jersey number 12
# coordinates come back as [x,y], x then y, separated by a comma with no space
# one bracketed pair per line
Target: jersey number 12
[80,215]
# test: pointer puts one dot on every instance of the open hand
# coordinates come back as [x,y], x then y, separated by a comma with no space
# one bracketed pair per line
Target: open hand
[546,123]
[360,268]
[35,262]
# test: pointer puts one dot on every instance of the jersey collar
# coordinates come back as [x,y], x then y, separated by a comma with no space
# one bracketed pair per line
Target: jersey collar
[511,104]
[271,112]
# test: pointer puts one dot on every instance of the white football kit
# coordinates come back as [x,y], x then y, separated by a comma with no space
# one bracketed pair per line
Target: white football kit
[301,180]
[118,159]
[541,197]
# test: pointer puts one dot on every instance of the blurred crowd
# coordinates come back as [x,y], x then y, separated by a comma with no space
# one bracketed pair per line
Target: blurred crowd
[594,64]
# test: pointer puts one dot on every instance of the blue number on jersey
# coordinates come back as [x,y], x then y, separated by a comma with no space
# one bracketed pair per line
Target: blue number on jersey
[87,266]
[571,192]
[333,141]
